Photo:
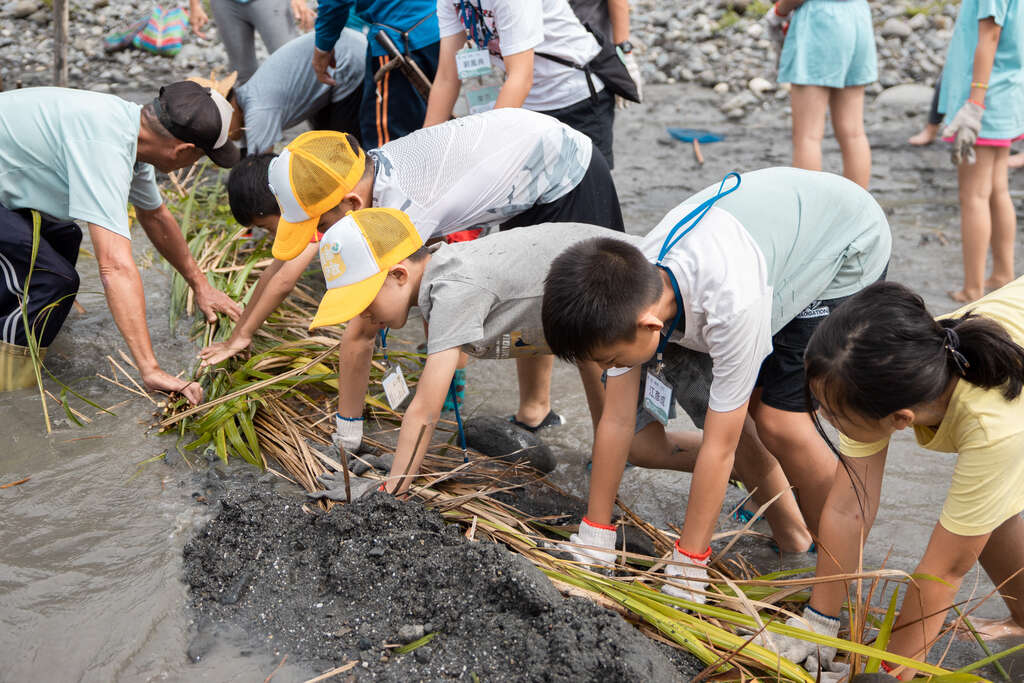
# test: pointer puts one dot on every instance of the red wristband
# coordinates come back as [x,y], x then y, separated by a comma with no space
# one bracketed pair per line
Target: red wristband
[977,103]
[887,667]
[702,557]
[383,487]
[606,527]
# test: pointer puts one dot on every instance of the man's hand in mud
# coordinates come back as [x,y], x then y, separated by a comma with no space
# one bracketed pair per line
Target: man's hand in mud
[212,301]
[158,380]
[221,351]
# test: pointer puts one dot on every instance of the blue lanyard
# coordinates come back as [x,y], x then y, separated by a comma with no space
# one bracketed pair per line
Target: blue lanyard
[693,218]
[384,342]
[478,30]
[688,223]
[679,312]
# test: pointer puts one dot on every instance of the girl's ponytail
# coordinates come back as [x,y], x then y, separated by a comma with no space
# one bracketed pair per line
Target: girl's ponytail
[982,352]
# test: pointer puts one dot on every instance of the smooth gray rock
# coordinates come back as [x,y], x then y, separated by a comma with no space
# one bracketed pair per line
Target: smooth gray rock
[908,97]
[895,28]
[23,8]
[496,437]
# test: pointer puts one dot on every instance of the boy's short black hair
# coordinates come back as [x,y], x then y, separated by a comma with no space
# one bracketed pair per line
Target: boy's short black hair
[249,192]
[594,294]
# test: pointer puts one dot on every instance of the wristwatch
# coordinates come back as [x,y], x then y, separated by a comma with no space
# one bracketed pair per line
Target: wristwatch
[625,46]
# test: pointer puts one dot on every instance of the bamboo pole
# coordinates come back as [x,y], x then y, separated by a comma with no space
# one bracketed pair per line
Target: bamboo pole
[60,43]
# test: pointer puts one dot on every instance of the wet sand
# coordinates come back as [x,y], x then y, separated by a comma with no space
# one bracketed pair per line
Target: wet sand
[92,569]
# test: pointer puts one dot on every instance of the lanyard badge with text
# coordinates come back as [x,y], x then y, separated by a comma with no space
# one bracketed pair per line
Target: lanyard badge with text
[474,60]
[657,391]
[395,388]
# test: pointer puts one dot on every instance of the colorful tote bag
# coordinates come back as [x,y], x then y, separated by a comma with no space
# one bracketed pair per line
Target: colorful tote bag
[164,32]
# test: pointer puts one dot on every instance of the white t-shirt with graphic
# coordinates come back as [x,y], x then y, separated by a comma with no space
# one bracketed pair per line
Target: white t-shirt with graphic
[546,26]
[479,170]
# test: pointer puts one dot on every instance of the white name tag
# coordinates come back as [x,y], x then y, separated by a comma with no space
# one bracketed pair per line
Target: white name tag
[472,61]
[482,99]
[657,397]
[395,388]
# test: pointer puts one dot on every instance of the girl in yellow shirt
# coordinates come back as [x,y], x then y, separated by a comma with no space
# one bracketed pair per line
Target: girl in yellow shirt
[881,363]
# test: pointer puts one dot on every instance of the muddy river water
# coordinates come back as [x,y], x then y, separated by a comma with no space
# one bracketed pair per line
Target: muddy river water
[90,567]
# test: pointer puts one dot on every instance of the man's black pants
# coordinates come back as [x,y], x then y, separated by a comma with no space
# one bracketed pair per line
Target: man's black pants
[53,284]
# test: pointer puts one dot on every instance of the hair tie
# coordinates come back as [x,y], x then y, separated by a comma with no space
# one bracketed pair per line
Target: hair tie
[953,346]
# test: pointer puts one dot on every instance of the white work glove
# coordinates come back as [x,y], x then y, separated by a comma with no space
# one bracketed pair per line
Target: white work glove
[775,25]
[348,433]
[964,129]
[694,577]
[807,655]
[634,72]
[592,534]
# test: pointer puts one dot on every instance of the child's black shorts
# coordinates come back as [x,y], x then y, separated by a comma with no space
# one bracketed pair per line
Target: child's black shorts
[781,377]
[593,201]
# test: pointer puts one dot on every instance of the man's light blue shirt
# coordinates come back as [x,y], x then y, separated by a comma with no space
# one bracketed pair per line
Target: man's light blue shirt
[71,154]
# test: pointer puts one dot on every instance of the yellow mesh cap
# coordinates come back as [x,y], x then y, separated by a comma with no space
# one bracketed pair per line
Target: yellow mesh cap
[355,256]
[324,169]
[390,234]
[311,176]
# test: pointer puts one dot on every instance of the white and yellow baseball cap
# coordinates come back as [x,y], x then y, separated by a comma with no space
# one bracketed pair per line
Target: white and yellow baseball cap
[355,255]
[310,177]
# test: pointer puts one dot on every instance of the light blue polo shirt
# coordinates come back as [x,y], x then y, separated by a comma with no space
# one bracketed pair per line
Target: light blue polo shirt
[71,154]
[1004,99]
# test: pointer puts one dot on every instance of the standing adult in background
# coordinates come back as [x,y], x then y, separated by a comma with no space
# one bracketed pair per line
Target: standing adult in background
[77,155]
[611,18]
[827,55]
[285,91]
[392,107]
[238,21]
[529,40]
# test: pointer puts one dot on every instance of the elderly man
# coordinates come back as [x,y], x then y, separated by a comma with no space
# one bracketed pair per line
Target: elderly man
[69,155]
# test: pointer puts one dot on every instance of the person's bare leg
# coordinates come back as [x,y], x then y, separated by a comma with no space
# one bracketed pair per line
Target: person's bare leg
[1002,558]
[654,448]
[809,104]
[534,388]
[975,182]
[1016,160]
[847,108]
[1004,222]
[806,460]
[590,375]
[926,136]
[761,473]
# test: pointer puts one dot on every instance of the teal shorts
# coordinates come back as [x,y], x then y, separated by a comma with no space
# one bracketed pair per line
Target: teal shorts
[830,43]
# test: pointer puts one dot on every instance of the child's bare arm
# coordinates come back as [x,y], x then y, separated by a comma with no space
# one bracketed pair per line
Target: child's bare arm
[711,476]
[447,85]
[422,416]
[518,79]
[984,57]
[611,444]
[274,285]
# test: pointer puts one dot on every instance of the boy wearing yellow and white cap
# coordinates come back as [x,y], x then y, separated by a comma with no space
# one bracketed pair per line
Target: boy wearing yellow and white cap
[482,298]
[509,167]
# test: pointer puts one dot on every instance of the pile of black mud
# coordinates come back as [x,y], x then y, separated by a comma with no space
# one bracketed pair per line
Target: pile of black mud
[333,587]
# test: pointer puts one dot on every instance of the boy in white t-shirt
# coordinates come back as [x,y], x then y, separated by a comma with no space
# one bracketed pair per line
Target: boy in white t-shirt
[509,167]
[516,35]
[715,309]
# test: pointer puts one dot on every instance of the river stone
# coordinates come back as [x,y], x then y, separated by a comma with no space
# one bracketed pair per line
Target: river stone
[908,97]
[895,28]
[759,85]
[496,437]
[23,8]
